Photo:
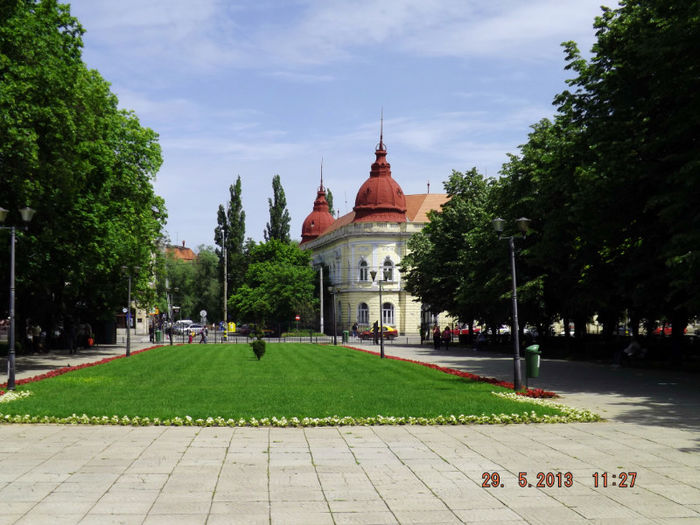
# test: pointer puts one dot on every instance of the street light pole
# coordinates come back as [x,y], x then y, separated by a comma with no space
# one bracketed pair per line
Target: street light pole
[128,320]
[320,287]
[373,273]
[11,353]
[523,225]
[225,249]
[331,289]
[128,310]
[27,214]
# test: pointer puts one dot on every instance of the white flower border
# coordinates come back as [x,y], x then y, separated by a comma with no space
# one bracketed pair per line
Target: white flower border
[570,415]
[11,395]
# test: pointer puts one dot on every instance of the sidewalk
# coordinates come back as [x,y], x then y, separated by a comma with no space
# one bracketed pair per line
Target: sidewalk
[647,396]
[36,364]
[151,475]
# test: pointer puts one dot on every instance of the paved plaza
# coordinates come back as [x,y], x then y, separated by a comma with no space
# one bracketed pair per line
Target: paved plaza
[373,475]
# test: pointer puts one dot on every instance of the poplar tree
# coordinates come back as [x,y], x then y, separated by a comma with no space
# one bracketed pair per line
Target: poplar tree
[231,227]
[278,227]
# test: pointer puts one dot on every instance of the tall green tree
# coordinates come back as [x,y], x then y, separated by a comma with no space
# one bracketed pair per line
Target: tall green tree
[329,200]
[231,229]
[84,165]
[278,227]
[636,103]
[450,262]
[279,284]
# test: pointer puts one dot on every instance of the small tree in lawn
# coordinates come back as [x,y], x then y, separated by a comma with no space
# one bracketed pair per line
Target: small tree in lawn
[258,346]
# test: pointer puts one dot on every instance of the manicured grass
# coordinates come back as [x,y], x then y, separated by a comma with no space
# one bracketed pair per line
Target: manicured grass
[292,379]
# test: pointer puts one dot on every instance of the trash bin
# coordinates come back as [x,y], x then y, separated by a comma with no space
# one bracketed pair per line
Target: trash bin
[346,336]
[159,336]
[532,360]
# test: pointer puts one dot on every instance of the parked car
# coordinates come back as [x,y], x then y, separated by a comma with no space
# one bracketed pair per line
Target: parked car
[389,333]
[181,326]
[456,332]
[531,330]
[250,329]
[194,327]
[504,329]
[666,329]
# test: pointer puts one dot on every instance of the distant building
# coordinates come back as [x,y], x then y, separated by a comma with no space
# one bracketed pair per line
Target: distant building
[181,253]
[373,237]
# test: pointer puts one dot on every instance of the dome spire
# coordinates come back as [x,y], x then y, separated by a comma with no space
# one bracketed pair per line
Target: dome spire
[381,132]
[380,198]
[321,187]
[320,218]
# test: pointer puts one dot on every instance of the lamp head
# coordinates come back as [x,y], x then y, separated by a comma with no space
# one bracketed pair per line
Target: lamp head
[523,225]
[373,273]
[498,225]
[27,213]
[3,215]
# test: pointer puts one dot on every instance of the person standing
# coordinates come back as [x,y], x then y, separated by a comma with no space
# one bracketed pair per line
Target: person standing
[446,337]
[436,337]
[375,331]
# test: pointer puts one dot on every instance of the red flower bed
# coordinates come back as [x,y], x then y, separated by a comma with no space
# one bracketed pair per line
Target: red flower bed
[66,369]
[533,392]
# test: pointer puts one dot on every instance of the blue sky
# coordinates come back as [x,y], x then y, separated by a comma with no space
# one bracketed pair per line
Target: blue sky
[265,87]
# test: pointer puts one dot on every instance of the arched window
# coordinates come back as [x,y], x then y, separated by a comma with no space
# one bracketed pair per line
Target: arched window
[388,313]
[362,314]
[388,269]
[364,273]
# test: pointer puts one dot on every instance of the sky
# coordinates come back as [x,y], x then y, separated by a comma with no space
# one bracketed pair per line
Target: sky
[263,87]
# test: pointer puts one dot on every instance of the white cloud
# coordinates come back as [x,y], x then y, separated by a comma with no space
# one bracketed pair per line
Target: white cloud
[211,34]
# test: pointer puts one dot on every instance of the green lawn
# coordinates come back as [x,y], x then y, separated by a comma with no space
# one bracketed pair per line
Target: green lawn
[291,380]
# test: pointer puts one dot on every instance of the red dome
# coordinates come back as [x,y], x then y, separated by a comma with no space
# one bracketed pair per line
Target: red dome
[318,220]
[380,198]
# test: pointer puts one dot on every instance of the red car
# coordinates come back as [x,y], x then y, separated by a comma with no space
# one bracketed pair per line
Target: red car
[389,333]
[666,329]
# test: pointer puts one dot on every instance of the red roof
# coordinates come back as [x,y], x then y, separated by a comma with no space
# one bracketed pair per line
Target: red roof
[182,253]
[417,208]
[319,219]
[380,198]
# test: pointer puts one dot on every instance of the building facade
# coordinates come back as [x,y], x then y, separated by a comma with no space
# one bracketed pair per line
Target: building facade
[373,238]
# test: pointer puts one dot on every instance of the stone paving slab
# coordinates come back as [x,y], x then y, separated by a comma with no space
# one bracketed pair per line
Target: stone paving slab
[370,475]
[439,483]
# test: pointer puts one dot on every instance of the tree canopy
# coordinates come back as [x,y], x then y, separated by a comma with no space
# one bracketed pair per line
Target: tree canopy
[86,166]
[279,284]
[610,184]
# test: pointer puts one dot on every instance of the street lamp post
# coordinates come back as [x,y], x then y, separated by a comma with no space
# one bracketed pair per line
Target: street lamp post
[332,290]
[373,273]
[176,310]
[171,308]
[27,214]
[128,309]
[523,226]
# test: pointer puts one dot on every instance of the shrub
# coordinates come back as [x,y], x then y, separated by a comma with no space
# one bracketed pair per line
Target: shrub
[258,348]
